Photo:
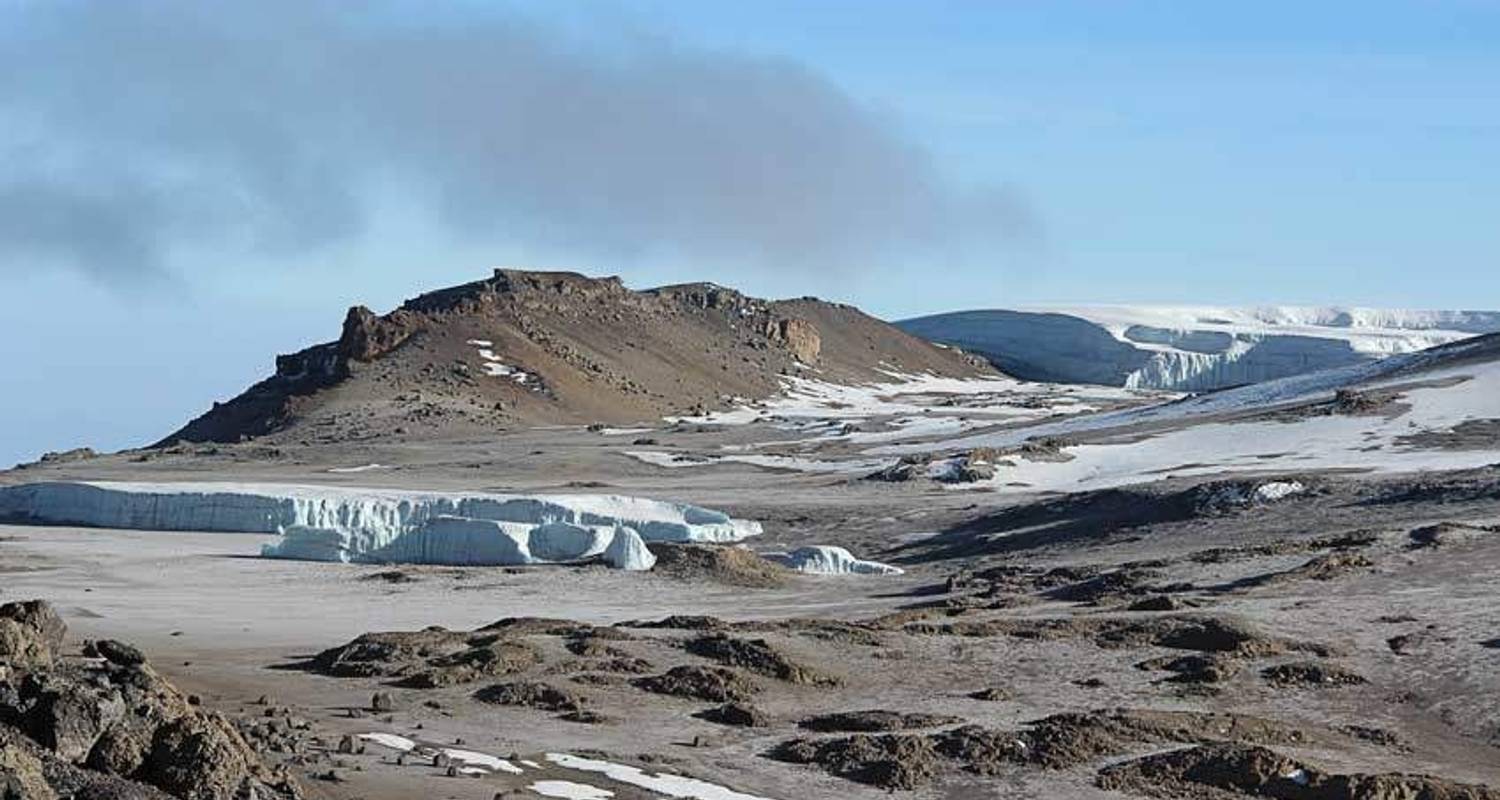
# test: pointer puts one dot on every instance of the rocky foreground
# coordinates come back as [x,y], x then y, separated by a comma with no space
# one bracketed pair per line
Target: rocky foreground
[103,725]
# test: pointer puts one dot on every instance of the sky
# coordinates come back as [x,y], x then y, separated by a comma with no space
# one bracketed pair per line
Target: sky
[187,189]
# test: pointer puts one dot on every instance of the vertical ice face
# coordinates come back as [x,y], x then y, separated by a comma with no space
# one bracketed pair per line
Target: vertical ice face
[1192,348]
[829,560]
[377,525]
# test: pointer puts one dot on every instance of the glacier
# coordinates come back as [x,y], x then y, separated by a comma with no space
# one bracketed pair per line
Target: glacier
[829,560]
[326,523]
[1192,348]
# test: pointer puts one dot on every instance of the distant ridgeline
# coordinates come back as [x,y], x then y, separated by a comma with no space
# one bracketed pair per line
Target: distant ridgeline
[1191,348]
[524,348]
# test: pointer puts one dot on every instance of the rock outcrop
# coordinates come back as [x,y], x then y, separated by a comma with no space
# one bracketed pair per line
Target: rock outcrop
[558,347]
[109,725]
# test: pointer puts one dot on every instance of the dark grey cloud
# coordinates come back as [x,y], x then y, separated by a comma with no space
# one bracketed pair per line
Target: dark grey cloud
[268,127]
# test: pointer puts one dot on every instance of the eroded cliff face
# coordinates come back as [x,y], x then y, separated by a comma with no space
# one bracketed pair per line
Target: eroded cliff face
[526,347]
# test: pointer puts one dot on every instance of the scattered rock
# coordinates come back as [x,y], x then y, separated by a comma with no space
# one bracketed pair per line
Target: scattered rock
[1310,674]
[584,716]
[119,652]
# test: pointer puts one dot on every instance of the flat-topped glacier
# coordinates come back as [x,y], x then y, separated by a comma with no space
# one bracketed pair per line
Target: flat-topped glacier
[1192,348]
[386,525]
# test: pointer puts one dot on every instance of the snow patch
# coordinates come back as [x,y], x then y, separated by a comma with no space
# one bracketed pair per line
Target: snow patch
[660,783]
[1277,490]
[568,790]
[390,740]
[469,762]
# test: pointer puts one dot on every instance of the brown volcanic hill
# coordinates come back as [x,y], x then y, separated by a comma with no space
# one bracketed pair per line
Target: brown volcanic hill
[559,347]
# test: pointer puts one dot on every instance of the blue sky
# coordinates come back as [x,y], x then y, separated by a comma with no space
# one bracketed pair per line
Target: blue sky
[1321,153]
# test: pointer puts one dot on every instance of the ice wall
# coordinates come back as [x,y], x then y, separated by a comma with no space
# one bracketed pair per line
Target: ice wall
[1192,348]
[379,525]
[829,560]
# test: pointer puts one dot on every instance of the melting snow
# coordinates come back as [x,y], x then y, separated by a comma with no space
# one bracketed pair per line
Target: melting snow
[390,740]
[661,783]
[468,761]
[568,790]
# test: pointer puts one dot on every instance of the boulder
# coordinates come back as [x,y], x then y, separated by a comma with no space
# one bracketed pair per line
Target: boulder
[21,776]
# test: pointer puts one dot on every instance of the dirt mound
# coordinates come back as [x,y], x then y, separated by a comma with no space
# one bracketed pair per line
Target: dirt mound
[874,721]
[713,684]
[428,658]
[557,347]
[682,622]
[1185,632]
[1066,740]
[1060,741]
[1311,674]
[892,761]
[1206,668]
[542,626]
[111,726]
[1113,586]
[1325,567]
[755,655]
[1228,771]
[733,566]
[530,694]
[1447,534]
[835,631]
[740,715]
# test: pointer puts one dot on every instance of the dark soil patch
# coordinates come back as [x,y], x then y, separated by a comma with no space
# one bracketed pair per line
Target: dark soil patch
[1229,770]
[1202,633]
[739,715]
[874,721]
[1310,674]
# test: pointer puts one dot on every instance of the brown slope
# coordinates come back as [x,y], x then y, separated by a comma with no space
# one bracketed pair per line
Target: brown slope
[592,350]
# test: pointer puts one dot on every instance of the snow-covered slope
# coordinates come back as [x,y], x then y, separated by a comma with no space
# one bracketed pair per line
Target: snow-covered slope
[380,525]
[1437,409]
[1191,348]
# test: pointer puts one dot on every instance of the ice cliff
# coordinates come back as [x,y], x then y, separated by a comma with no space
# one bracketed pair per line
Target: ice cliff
[383,525]
[1192,348]
[829,560]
